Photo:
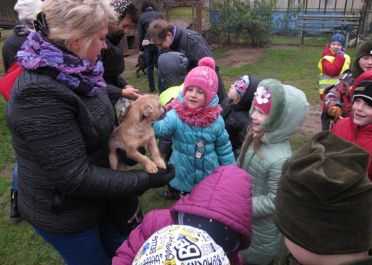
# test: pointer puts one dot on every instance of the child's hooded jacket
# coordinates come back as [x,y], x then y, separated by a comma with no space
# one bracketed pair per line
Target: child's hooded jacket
[288,111]
[225,196]
[197,150]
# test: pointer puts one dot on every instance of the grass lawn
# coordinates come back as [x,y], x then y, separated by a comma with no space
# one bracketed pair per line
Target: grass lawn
[295,66]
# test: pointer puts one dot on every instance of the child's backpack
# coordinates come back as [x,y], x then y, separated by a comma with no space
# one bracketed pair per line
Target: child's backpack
[8,80]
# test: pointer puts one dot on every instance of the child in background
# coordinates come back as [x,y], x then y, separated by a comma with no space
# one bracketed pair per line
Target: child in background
[172,72]
[338,98]
[333,63]
[277,112]
[221,205]
[236,109]
[323,204]
[200,142]
[357,128]
[181,244]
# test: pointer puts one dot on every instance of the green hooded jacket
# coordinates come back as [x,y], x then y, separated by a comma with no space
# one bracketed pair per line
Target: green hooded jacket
[288,111]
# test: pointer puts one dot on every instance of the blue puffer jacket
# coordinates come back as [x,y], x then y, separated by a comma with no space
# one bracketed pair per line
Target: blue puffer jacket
[216,149]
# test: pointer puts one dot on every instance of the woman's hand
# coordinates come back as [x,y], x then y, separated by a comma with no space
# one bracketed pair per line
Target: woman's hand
[130,92]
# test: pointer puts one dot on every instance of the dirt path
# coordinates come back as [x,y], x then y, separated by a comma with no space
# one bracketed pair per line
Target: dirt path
[238,57]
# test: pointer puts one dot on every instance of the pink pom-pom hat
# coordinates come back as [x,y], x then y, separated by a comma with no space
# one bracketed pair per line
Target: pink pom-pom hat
[204,77]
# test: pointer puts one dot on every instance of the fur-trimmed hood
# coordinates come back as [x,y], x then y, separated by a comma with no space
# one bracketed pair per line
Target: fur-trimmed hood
[288,111]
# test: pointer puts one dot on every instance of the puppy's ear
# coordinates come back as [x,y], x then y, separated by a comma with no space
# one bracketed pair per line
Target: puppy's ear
[147,110]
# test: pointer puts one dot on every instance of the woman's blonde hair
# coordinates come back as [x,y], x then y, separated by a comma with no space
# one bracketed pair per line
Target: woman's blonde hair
[77,19]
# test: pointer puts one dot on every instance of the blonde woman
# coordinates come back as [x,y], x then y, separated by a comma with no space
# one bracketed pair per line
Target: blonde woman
[60,118]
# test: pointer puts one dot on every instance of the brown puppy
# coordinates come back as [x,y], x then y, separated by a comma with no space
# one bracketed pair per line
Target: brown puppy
[136,131]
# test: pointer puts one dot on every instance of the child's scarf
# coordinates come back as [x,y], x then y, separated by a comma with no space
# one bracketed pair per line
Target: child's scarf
[79,75]
[200,117]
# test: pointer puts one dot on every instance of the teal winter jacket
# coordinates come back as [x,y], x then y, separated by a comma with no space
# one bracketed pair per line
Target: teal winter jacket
[197,151]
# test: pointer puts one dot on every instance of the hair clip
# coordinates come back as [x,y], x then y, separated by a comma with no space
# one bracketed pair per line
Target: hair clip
[262,95]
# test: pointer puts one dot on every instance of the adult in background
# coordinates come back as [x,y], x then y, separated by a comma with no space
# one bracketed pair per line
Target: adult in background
[26,10]
[171,37]
[150,51]
[113,55]
[60,118]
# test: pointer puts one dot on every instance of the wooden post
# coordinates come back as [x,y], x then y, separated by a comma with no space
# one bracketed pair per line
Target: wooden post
[302,33]
[345,7]
[199,16]
[287,16]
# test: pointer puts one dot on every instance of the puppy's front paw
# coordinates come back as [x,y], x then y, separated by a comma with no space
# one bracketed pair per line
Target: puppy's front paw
[160,163]
[151,167]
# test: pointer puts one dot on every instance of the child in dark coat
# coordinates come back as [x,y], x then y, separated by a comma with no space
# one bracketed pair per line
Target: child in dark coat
[236,109]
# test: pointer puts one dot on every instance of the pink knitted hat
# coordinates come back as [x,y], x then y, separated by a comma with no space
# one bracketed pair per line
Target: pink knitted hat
[262,99]
[204,77]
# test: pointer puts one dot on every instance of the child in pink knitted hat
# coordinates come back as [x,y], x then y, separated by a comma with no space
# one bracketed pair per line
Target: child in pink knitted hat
[200,142]
[203,80]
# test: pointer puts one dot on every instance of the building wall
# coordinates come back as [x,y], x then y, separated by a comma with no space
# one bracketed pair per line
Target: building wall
[320,4]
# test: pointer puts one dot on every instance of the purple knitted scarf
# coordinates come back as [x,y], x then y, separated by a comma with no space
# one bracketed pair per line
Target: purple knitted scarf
[82,76]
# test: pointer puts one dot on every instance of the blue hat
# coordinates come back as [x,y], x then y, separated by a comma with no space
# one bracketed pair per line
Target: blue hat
[339,38]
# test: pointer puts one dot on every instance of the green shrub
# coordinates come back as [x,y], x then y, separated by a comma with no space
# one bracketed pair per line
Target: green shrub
[243,22]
